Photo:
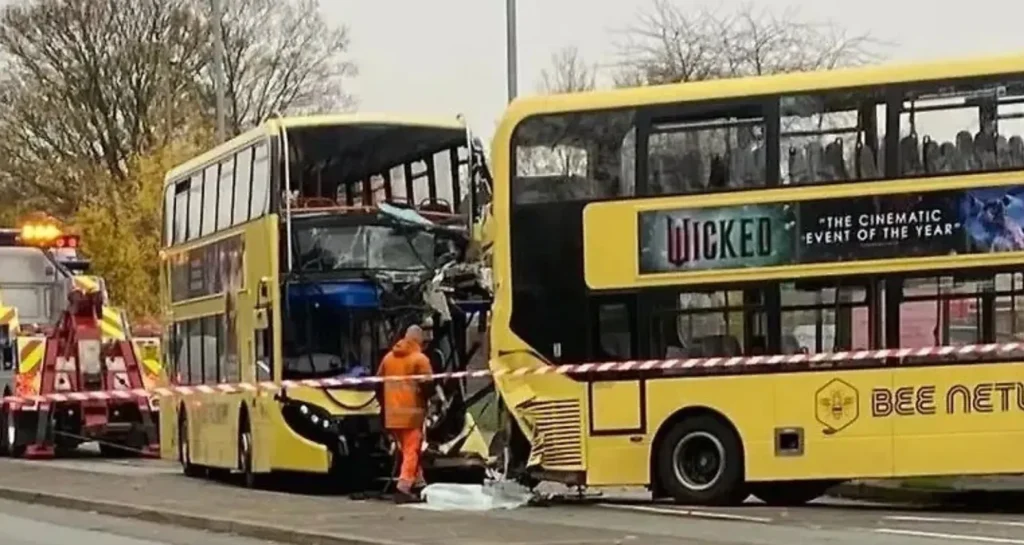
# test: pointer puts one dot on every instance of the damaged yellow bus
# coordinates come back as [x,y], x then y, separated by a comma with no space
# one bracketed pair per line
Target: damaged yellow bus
[298,251]
[855,209]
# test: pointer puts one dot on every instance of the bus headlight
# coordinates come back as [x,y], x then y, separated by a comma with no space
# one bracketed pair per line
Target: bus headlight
[309,421]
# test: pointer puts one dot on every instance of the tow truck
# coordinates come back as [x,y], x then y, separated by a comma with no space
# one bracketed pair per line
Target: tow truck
[59,336]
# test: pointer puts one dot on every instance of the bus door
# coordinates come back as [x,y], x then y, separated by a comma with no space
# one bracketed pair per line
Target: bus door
[261,351]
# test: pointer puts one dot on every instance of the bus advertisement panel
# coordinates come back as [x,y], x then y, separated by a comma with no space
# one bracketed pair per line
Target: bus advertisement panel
[960,221]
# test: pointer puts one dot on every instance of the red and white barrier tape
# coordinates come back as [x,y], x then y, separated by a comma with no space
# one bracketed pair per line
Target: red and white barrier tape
[694,365]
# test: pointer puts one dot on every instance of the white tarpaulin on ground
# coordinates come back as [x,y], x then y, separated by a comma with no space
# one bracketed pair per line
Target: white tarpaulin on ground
[474,497]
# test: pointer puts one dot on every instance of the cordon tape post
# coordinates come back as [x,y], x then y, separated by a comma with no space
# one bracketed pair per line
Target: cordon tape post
[694,365]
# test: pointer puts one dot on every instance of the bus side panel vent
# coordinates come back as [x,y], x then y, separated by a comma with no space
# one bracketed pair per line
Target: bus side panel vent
[789,441]
[559,436]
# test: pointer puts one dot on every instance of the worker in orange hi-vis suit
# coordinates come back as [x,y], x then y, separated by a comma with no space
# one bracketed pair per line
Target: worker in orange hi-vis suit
[405,405]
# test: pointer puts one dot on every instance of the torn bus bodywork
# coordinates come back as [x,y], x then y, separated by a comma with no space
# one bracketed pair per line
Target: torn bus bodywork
[367,277]
[362,266]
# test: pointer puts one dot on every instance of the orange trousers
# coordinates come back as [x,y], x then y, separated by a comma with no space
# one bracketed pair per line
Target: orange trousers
[410,441]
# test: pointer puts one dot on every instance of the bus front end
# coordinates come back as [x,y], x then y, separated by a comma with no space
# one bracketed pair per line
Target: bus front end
[361,280]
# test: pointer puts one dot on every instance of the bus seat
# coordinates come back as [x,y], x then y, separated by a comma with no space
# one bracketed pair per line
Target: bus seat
[1003,159]
[738,168]
[748,167]
[835,160]
[758,346]
[815,158]
[720,346]
[984,141]
[965,152]
[666,174]
[718,174]
[985,150]
[675,352]
[692,170]
[910,155]
[930,155]
[316,362]
[790,345]
[1017,151]
[440,205]
[799,169]
[867,164]
[760,163]
[947,157]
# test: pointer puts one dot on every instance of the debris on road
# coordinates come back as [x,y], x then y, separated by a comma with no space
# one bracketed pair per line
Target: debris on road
[475,497]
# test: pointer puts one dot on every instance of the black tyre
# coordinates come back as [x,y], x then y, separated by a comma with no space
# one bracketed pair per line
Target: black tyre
[10,433]
[700,462]
[249,478]
[185,448]
[790,493]
[5,436]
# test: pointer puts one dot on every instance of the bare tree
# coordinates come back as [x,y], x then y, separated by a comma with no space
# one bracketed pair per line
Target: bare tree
[568,73]
[282,56]
[670,43]
[87,82]
[90,84]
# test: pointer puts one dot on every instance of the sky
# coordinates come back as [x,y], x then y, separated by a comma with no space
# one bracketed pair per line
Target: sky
[443,57]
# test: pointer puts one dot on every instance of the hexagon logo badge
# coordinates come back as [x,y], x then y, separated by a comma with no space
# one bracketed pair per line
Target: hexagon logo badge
[836,405]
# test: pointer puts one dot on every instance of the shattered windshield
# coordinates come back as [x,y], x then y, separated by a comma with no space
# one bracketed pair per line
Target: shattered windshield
[373,247]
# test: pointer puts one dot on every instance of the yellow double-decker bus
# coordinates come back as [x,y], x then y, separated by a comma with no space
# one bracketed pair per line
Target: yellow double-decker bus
[300,250]
[855,209]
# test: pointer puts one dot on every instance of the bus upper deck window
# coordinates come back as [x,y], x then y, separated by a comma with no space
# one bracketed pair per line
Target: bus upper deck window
[831,137]
[972,125]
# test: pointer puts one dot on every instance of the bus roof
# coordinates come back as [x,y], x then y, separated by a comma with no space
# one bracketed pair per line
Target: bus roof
[759,85]
[273,125]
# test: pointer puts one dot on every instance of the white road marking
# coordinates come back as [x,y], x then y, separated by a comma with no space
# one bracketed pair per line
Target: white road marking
[685,512]
[957,521]
[955,537]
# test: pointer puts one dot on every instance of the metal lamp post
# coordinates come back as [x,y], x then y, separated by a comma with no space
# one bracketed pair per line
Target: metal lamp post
[510,53]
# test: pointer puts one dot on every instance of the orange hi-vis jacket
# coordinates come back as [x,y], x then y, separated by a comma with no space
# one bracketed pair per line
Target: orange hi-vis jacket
[405,406]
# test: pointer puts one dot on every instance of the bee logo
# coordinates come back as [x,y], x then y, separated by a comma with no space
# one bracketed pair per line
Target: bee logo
[836,406]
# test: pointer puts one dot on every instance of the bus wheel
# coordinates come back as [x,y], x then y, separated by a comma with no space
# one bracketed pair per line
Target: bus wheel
[790,493]
[185,448]
[700,462]
[245,453]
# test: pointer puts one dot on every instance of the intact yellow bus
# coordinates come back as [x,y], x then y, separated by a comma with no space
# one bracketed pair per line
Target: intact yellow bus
[875,207]
[300,250]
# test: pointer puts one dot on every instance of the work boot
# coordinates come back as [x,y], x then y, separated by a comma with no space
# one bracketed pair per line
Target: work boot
[402,497]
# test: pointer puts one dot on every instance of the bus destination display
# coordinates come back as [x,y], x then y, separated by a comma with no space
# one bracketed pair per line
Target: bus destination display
[965,221]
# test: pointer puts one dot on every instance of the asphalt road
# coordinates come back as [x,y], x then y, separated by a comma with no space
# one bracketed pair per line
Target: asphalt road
[24,524]
[829,521]
[618,516]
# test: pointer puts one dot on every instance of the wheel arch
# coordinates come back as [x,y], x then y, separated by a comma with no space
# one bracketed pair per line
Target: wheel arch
[675,418]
